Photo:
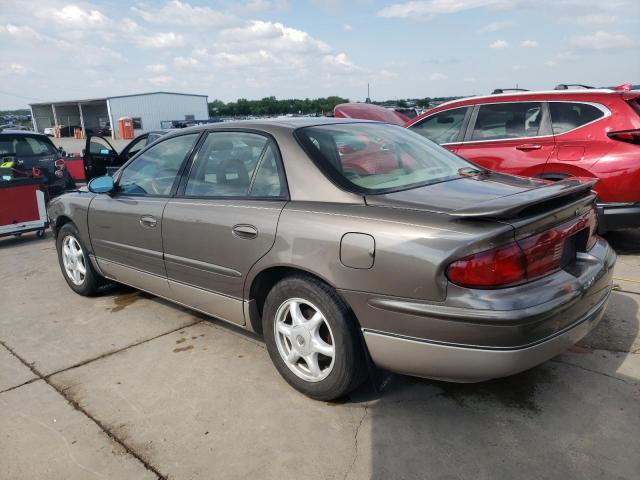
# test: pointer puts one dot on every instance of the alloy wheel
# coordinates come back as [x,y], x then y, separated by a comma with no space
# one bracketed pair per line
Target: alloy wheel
[73,260]
[304,339]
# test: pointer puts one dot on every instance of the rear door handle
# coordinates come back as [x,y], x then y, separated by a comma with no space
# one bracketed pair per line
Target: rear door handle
[148,221]
[525,147]
[245,231]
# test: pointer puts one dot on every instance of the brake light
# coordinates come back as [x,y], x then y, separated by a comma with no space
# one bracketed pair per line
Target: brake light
[527,259]
[60,164]
[629,136]
[493,268]
[543,253]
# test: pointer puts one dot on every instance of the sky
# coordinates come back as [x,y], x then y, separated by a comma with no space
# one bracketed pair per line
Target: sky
[58,50]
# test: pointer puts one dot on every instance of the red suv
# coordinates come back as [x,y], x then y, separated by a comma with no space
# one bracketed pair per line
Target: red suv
[554,135]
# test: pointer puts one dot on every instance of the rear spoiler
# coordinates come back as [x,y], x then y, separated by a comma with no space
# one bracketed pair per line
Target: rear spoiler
[511,205]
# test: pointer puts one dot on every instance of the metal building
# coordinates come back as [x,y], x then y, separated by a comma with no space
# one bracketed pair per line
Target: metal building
[148,111]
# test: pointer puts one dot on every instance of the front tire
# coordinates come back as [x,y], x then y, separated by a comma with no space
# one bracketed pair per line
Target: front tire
[75,264]
[312,338]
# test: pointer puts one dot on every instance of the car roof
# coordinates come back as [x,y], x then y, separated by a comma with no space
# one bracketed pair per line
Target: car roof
[549,94]
[289,123]
[29,133]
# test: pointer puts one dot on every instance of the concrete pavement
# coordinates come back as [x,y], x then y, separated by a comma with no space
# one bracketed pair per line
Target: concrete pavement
[125,385]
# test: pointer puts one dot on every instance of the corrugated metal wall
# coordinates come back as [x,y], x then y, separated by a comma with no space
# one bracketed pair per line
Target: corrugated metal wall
[154,108]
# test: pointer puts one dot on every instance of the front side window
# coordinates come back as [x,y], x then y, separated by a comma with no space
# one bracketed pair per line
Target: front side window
[235,164]
[567,116]
[377,157]
[442,127]
[154,171]
[507,120]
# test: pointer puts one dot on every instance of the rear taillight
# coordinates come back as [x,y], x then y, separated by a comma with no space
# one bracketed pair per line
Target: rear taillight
[492,268]
[60,165]
[527,259]
[629,136]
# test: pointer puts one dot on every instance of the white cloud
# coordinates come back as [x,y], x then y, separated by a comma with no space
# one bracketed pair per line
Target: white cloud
[470,79]
[347,28]
[519,67]
[18,69]
[339,61]
[270,36]
[245,59]
[562,57]
[258,6]
[175,12]
[161,80]
[529,44]
[159,40]
[601,41]
[72,16]
[187,62]
[426,9]
[592,19]
[499,44]
[437,76]
[156,68]
[495,26]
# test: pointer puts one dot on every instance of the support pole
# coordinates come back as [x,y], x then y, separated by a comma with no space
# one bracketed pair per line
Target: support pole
[84,134]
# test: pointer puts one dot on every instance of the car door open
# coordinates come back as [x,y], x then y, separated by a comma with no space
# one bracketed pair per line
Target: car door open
[229,202]
[99,157]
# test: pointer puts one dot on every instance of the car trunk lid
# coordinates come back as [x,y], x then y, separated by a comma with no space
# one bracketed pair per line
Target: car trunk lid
[487,195]
[551,222]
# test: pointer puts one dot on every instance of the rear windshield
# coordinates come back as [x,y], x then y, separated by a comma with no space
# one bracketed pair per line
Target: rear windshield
[25,146]
[378,157]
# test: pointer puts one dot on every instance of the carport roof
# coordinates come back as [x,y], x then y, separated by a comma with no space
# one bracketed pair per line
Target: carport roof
[102,99]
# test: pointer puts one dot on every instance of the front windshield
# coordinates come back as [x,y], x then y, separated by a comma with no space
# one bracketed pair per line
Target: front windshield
[378,157]
[25,146]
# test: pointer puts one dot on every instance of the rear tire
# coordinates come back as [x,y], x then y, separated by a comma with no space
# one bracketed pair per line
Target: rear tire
[312,338]
[75,264]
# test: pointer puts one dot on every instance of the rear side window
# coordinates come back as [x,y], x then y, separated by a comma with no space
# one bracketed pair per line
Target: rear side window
[24,146]
[443,127]
[567,116]
[507,120]
[235,164]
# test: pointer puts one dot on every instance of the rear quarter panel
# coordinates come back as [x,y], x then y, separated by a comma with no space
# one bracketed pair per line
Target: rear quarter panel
[412,248]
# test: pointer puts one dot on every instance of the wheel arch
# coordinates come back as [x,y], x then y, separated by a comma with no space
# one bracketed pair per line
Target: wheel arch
[266,279]
[60,222]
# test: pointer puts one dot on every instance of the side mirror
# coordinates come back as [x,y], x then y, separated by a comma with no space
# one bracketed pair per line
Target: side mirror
[101,184]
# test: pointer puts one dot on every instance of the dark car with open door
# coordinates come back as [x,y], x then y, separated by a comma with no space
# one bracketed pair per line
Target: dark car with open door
[101,158]
[25,154]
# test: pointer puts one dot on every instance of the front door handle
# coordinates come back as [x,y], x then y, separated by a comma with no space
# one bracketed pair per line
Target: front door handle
[245,231]
[148,221]
[525,147]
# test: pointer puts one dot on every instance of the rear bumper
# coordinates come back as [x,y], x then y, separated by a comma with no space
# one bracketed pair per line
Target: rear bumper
[614,216]
[479,334]
[422,358]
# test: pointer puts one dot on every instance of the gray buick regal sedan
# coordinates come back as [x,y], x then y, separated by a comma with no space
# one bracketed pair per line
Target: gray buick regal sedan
[346,242]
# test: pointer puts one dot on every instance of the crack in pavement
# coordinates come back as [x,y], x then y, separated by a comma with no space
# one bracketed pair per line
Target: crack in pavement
[592,371]
[78,407]
[355,438]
